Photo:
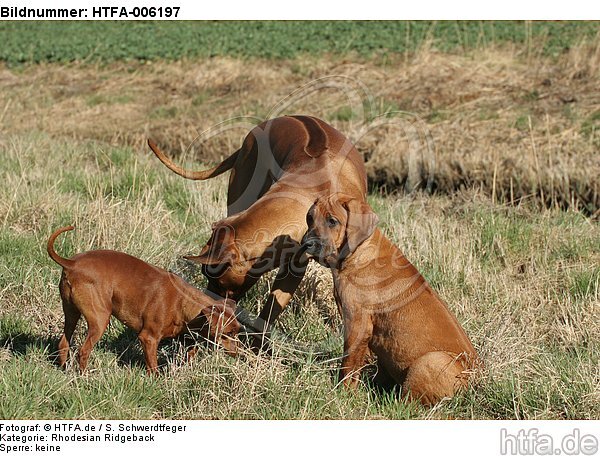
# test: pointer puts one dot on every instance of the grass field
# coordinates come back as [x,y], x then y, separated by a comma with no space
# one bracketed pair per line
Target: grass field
[509,237]
[146,40]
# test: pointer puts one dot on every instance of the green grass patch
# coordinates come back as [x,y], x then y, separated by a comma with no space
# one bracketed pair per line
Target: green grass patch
[522,123]
[176,195]
[98,99]
[344,114]
[16,250]
[39,390]
[501,234]
[164,112]
[128,184]
[73,182]
[585,284]
[12,326]
[437,115]
[591,126]
[106,41]
[555,392]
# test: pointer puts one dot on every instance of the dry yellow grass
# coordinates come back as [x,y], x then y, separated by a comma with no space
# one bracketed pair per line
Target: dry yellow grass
[524,280]
[525,285]
[517,127]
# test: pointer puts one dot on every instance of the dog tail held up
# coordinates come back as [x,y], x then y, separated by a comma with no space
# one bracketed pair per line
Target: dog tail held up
[50,247]
[225,165]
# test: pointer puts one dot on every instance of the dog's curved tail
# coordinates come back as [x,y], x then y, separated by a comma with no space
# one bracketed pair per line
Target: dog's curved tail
[64,262]
[225,165]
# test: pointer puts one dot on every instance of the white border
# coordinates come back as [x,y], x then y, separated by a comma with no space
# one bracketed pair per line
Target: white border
[267,438]
[350,9]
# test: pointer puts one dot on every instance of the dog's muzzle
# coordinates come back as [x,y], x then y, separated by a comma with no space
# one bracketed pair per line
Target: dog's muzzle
[311,245]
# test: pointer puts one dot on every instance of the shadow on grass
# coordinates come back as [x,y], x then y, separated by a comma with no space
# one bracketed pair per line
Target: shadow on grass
[128,349]
[21,344]
[125,346]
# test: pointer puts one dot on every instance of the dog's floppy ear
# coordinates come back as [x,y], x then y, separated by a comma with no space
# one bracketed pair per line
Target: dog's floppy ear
[225,255]
[220,315]
[361,223]
[220,248]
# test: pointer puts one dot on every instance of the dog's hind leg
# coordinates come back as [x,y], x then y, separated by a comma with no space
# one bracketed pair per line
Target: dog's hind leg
[95,330]
[96,311]
[72,316]
[433,376]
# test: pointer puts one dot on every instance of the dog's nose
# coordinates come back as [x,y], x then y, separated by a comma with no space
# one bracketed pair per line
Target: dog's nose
[311,245]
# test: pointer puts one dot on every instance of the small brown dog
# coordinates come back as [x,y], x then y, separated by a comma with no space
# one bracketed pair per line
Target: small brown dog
[386,305]
[155,303]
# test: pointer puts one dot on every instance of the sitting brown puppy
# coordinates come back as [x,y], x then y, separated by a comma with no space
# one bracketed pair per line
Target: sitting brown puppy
[155,303]
[386,305]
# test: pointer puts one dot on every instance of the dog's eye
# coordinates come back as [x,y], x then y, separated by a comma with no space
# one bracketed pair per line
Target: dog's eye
[332,222]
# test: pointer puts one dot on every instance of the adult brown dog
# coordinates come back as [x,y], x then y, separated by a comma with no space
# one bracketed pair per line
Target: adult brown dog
[282,166]
[155,303]
[386,305]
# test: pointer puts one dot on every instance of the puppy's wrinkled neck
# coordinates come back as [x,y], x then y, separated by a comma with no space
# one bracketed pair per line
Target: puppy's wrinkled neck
[375,247]
[375,265]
